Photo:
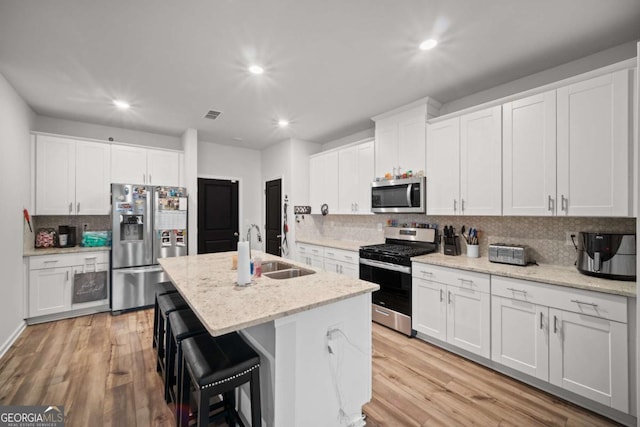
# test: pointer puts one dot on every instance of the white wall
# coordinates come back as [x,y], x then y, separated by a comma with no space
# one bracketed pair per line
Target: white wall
[16,119]
[579,66]
[89,130]
[228,162]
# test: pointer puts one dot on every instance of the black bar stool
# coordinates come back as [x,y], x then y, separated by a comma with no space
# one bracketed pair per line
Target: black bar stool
[166,304]
[181,324]
[161,289]
[214,366]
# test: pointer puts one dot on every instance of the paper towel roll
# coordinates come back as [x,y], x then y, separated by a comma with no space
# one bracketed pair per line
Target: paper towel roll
[244,264]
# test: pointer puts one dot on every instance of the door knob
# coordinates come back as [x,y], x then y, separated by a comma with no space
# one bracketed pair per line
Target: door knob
[235,234]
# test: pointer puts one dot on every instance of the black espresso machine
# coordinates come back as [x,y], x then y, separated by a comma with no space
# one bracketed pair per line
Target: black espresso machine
[607,255]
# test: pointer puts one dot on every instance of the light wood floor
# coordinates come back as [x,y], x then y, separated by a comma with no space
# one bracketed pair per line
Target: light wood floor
[102,369]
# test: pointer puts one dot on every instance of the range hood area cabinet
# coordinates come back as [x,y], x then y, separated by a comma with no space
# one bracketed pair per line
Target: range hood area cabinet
[400,137]
[463,164]
[341,179]
[568,151]
[72,176]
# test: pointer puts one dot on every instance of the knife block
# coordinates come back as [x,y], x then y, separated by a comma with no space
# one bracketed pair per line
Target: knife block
[452,246]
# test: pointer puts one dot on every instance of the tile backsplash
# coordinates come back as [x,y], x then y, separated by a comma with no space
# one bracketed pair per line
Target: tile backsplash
[93,222]
[545,236]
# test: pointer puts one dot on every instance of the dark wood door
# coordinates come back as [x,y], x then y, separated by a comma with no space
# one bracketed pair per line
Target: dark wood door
[273,227]
[217,215]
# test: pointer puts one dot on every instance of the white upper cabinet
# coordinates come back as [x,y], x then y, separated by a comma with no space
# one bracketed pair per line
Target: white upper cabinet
[323,181]
[443,167]
[481,162]
[145,166]
[529,155]
[464,157]
[400,138]
[594,147]
[72,176]
[355,174]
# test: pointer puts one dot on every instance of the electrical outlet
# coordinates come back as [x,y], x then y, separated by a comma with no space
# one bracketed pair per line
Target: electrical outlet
[85,226]
[379,226]
[568,241]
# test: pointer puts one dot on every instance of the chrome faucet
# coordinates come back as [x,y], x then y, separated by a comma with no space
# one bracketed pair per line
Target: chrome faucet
[249,236]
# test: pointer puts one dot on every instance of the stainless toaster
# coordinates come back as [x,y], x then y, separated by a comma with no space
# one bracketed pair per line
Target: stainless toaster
[508,254]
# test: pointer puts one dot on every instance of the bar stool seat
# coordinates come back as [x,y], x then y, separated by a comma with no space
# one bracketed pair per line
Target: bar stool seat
[181,324]
[161,289]
[217,365]
[167,303]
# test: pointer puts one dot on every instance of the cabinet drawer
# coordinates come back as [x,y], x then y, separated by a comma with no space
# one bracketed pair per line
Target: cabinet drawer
[310,249]
[452,277]
[606,306]
[341,255]
[39,262]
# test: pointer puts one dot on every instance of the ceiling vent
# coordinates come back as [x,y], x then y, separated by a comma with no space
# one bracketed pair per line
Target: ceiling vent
[212,114]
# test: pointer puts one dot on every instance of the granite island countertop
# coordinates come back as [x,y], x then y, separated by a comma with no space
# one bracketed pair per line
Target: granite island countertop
[552,274]
[207,283]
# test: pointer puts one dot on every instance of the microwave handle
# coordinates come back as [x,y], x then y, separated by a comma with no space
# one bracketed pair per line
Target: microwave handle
[409,195]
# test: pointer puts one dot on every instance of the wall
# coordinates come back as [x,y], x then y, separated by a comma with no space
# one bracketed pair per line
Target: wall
[546,236]
[16,120]
[88,130]
[573,68]
[358,136]
[243,164]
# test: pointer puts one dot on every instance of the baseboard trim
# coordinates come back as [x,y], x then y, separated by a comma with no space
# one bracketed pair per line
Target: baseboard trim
[12,338]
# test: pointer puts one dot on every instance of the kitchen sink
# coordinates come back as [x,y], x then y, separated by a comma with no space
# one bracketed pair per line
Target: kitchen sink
[289,273]
[270,266]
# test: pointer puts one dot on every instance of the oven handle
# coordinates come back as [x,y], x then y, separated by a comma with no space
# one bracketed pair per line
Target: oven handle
[386,265]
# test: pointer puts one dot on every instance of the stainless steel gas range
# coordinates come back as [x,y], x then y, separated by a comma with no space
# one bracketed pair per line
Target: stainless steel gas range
[389,265]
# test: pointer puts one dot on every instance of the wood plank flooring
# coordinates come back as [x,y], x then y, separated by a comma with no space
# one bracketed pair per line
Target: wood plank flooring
[102,369]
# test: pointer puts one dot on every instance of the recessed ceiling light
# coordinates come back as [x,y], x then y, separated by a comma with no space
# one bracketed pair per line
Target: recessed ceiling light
[256,69]
[428,44]
[121,104]
[283,123]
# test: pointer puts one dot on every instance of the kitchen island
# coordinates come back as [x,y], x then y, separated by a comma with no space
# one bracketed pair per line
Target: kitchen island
[313,334]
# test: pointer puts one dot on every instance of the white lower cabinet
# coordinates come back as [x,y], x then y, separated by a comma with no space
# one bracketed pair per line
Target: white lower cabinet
[312,255]
[52,279]
[330,259]
[573,338]
[453,306]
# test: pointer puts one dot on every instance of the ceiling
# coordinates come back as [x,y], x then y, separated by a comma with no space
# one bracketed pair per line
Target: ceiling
[329,65]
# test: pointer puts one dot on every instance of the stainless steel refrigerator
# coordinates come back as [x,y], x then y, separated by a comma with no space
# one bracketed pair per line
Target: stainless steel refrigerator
[148,223]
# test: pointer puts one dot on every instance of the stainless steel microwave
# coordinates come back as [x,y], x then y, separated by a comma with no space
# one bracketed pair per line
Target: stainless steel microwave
[399,196]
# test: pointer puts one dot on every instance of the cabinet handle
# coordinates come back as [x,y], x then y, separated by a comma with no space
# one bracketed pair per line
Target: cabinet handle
[428,273]
[149,178]
[592,304]
[555,325]
[348,257]
[67,279]
[462,205]
[550,205]
[357,209]
[564,202]
[143,179]
[70,207]
[341,272]
[517,290]
[441,297]
[541,320]
[449,296]
[78,208]
[455,207]
[462,281]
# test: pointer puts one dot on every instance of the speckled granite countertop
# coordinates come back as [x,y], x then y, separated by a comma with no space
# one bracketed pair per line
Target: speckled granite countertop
[545,273]
[58,251]
[207,282]
[347,245]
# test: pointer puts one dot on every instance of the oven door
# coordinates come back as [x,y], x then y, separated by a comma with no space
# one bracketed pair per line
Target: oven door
[394,281]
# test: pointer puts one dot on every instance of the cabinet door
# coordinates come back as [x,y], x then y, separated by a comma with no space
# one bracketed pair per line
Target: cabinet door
[411,141]
[386,147]
[93,178]
[520,336]
[55,175]
[443,167]
[347,180]
[365,178]
[588,356]
[49,291]
[529,155]
[481,162]
[163,167]
[350,270]
[324,187]
[469,320]
[128,165]
[429,312]
[594,147]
